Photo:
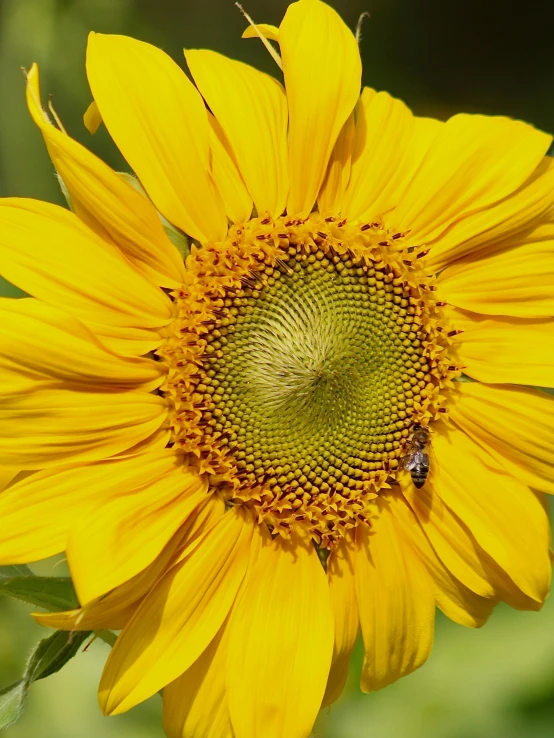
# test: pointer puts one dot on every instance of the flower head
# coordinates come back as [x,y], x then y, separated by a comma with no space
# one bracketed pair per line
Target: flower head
[320,419]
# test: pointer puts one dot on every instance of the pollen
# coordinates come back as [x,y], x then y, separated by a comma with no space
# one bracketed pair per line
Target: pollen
[302,354]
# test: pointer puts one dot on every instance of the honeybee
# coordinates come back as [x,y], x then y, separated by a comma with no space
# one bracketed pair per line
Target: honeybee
[416,460]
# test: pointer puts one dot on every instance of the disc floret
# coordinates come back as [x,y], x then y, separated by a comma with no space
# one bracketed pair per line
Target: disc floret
[303,352]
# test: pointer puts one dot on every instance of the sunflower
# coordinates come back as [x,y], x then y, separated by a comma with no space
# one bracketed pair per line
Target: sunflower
[318,419]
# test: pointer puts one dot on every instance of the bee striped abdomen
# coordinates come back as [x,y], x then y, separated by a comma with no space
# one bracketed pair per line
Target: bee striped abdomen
[420,471]
[416,460]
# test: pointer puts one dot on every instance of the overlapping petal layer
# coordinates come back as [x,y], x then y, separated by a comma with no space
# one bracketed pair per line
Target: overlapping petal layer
[515,424]
[158,120]
[39,342]
[384,129]
[493,504]
[180,616]
[452,541]
[331,194]
[237,200]
[342,587]
[491,348]
[322,90]
[287,617]
[7,475]
[125,533]
[516,280]
[395,598]
[457,601]
[474,162]
[52,426]
[105,202]
[529,206]
[50,497]
[77,271]
[115,609]
[195,704]
[252,110]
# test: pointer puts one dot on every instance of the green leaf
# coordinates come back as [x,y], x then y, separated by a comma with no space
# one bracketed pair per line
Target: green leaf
[51,593]
[177,238]
[464,378]
[19,570]
[107,636]
[11,703]
[9,290]
[48,657]
[54,652]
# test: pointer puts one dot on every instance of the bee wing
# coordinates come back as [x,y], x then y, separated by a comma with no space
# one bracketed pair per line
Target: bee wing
[433,462]
[422,458]
[418,458]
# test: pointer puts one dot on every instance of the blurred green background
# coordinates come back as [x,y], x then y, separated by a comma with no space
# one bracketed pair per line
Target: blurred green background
[482,56]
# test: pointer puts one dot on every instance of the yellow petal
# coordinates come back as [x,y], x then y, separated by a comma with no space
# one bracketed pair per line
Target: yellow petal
[268,31]
[342,587]
[238,203]
[512,595]
[114,609]
[455,600]
[7,475]
[373,198]
[206,517]
[460,553]
[195,704]
[125,341]
[160,124]
[39,342]
[532,203]
[281,643]
[384,128]
[121,536]
[179,618]
[495,349]
[91,617]
[517,280]
[503,515]
[92,118]
[251,107]
[396,602]
[40,497]
[424,131]
[58,498]
[474,162]
[76,271]
[452,541]
[156,442]
[322,68]
[105,202]
[52,426]
[332,190]
[514,424]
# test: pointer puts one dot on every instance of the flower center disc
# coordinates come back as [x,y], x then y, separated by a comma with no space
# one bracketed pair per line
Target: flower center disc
[310,380]
[299,364]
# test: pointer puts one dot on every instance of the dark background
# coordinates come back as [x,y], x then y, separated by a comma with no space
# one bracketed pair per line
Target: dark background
[493,57]
[487,56]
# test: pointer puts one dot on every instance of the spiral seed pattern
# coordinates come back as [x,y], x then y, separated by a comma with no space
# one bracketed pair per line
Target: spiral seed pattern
[298,370]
